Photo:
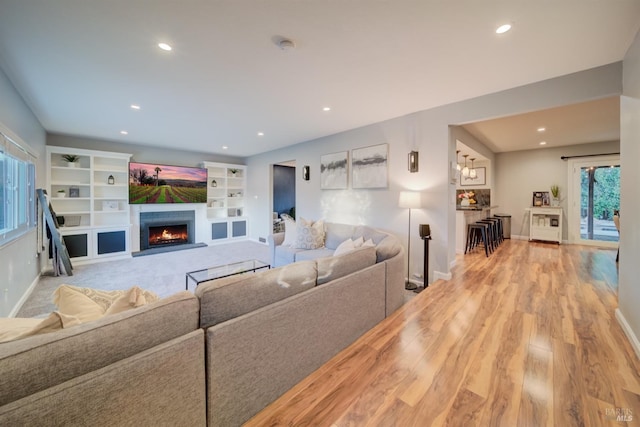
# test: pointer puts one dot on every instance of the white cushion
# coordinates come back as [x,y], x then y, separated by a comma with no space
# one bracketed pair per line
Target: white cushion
[358,242]
[290,232]
[344,247]
[369,243]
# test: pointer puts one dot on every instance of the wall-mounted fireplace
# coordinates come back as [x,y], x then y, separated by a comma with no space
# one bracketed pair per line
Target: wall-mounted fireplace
[161,229]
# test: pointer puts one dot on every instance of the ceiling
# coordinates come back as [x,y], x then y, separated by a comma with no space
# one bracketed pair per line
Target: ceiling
[81,64]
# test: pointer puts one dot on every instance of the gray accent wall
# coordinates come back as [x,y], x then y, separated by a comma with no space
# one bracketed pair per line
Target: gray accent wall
[629,268]
[19,259]
[428,132]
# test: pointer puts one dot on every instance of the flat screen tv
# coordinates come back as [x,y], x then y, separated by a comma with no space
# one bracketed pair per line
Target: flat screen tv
[152,183]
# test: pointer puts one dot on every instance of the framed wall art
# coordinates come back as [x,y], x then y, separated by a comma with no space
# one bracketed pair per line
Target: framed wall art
[334,171]
[480,178]
[369,167]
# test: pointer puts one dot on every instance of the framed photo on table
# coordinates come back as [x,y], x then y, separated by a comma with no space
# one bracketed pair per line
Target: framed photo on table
[480,178]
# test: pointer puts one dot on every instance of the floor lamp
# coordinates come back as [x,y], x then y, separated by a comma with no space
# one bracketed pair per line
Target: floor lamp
[409,200]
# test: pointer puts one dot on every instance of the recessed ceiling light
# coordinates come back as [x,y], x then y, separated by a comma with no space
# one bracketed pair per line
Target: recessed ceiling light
[543,142]
[224,147]
[503,28]
[541,129]
[164,46]
[124,132]
[260,133]
[135,107]
[326,109]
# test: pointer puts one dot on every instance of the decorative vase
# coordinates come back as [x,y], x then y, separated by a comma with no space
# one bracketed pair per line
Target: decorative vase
[555,201]
[464,202]
[62,195]
[72,164]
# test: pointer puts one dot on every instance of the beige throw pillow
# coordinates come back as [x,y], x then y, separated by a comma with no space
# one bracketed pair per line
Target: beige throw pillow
[310,235]
[72,301]
[17,328]
[134,297]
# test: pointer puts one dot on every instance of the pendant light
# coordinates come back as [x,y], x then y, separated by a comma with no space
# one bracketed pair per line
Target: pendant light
[458,167]
[465,169]
[472,173]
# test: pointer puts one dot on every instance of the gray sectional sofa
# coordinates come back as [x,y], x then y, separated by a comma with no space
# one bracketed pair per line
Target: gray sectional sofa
[216,358]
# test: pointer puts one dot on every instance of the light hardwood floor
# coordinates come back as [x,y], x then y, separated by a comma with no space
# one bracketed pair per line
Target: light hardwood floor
[526,337]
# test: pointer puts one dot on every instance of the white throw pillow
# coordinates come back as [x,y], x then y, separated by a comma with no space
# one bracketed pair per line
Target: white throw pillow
[310,235]
[344,247]
[290,232]
[358,242]
[368,243]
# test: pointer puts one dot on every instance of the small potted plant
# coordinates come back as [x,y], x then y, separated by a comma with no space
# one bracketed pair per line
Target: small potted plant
[555,193]
[71,159]
[233,172]
[62,193]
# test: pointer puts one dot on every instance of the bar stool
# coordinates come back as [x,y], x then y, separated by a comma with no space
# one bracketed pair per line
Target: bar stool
[475,232]
[492,232]
[500,229]
[497,229]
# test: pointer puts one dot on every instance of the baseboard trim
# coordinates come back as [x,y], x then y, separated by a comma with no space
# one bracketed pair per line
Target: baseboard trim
[440,275]
[633,339]
[24,297]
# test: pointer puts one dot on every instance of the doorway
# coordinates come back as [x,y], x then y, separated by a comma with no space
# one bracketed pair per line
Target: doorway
[594,196]
[284,193]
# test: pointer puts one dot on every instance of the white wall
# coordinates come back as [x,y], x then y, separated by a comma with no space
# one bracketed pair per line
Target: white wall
[629,269]
[19,263]
[520,173]
[428,132]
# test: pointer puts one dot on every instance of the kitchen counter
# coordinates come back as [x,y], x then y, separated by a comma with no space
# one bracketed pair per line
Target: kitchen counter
[474,208]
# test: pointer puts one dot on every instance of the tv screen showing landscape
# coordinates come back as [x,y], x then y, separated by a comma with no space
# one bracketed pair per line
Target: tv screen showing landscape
[151,183]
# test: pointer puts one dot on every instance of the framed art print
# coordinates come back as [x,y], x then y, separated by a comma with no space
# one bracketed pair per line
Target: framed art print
[334,171]
[369,167]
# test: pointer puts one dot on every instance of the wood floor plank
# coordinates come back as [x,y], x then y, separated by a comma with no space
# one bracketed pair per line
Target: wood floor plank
[527,337]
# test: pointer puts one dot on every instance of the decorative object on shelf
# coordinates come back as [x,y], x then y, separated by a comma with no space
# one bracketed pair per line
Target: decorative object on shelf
[72,220]
[334,171]
[540,198]
[467,198]
[305,173]
[214,183]
[409,200]
[369,167]
[233,172]
[71,159]
[413,161]
[111,180]
[62,193]
[458,166]
[109,205]
[555,192]
[480,178]
[74,192]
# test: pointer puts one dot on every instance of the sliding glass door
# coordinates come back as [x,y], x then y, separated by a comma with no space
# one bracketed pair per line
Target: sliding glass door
[594,196]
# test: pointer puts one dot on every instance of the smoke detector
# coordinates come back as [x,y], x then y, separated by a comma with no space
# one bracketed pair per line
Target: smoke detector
[286,44]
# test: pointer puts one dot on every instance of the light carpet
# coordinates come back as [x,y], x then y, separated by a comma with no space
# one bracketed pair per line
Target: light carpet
[162,273]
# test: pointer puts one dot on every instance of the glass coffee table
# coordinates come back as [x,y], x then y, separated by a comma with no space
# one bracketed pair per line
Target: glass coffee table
[218,272]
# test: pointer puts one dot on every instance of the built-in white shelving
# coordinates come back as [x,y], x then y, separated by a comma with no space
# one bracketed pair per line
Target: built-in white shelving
[95,202]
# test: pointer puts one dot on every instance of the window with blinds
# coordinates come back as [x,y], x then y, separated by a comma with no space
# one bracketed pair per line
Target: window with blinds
[17,190]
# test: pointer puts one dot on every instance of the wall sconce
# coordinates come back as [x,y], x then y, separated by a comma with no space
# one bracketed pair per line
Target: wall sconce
[413,161]
[305,173]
